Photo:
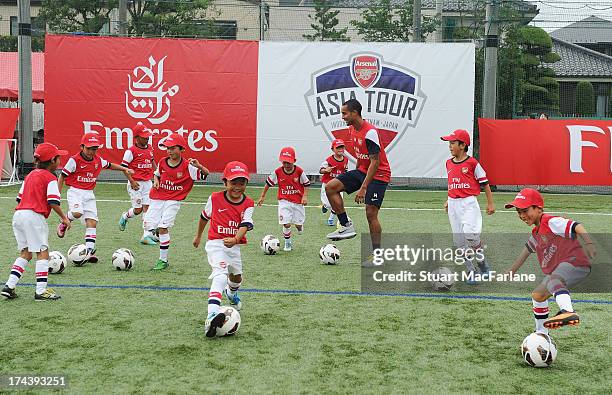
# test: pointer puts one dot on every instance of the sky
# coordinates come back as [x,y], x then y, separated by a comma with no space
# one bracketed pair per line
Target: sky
[555,14]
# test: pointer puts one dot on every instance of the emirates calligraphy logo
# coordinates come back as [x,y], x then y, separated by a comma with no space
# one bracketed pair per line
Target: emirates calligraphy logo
[147,96]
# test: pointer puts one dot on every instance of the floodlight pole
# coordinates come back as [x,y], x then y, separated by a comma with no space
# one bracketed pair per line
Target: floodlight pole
[491,42]
[24,47]
[416,21]
[123,18]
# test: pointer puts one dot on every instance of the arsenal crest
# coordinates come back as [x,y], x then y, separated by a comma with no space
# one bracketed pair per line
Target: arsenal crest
[179,174]
[365,70]
[464,170]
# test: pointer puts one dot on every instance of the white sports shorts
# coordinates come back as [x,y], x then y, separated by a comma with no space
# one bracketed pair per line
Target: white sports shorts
[291,213]
[466,221]
[161,214]
[82,201]
[31,231]
[140,197]
[223,260]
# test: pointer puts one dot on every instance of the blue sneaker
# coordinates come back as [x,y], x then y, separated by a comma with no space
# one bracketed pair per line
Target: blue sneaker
[331,222]
[148,240]
[234,300]
[484,269]
[471,280]
[122,223]
[213,321]
[288,245]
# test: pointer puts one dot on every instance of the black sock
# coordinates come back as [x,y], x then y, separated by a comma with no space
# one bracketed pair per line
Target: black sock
[343,218]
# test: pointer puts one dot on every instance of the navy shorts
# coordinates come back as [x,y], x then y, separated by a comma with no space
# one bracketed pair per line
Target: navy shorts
[352,181]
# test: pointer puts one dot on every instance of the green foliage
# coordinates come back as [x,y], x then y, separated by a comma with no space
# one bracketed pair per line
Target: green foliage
[325,22]
[77,15]
[550,57]
[585,99]
[383,22]
[9,44]
[530,60]
[536,39]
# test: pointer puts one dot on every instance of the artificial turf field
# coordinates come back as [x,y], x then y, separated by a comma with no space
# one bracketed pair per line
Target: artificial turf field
[305,326]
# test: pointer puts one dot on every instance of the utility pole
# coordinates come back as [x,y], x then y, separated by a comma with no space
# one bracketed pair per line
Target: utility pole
[440,18]
[491,42]
[416,21]
[24,47]
[262,20]
[123,18]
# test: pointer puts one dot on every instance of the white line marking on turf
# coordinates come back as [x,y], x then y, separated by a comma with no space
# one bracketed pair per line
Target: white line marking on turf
[354,207]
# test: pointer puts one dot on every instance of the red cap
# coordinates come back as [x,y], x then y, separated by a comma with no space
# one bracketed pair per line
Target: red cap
[48,151]
[458,135]
[91,140]
[287,154]
[173,140]
[337,143]
[141,130]
[235,169]
[526,198]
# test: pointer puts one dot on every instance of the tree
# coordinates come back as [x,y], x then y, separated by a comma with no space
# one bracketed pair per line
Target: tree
[383,22]
[76,15]
[585,99]
[177,18]
[325,23]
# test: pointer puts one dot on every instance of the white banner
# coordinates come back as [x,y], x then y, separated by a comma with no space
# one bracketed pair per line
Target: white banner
[414,93]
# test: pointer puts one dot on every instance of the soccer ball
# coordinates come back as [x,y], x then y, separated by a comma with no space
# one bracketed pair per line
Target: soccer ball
[442,279]
[329,254]
[77,254]
[539,350]
[270,245]
[57,262]
[123,259]
[232,321]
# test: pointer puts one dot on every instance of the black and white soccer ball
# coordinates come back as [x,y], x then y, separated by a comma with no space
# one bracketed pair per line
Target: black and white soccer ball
[329,254]
[442,279]
[57,262]
[77,254]
[539,350]
[123,259]
[270,245]
[232,321]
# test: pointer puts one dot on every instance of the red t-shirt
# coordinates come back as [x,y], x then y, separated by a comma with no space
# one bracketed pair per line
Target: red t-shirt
[141,161]
[465,178]
[227,217]
[82,173]
[338,167]
[359,137]
[38,192]
[290,186]
[554,242]
[176,182]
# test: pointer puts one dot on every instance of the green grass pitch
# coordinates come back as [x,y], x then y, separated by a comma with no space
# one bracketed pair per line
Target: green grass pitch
[138,340]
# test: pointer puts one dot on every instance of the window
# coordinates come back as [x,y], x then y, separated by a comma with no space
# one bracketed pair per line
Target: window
[38,26]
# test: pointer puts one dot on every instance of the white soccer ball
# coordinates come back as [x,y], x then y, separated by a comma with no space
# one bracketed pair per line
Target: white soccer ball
[329,254]
[77,254]
[442,279]
[123,259]
[270,245]
[57,262]
[232,321]
[539,350]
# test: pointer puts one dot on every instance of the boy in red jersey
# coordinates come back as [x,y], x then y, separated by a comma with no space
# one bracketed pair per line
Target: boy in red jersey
[139,157]
[230,213]
[292,194]
[331,168]
[559,254]
[173,181]
[81,173]
[39,194]
[465,178]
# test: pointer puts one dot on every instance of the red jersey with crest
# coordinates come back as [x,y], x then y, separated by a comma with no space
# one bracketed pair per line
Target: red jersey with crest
[359,137]
[465,178]
[227,217]
[175,182]
[290,186]
[141,161]
[338,167]
[554,241]
[38,192]
[82,173]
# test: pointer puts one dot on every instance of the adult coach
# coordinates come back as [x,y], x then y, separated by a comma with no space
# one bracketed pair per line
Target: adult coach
[369,180]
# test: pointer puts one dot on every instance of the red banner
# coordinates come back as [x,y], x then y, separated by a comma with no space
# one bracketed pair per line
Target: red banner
[204,90]
[544,152]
